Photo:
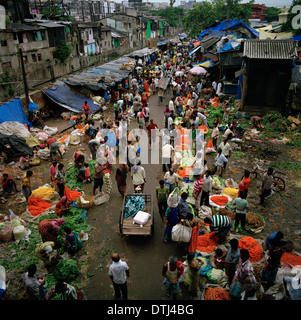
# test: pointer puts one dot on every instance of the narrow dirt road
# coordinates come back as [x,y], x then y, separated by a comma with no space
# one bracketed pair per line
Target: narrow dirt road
[144,255]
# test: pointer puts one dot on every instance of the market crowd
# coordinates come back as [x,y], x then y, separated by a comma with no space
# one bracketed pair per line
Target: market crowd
[185,197]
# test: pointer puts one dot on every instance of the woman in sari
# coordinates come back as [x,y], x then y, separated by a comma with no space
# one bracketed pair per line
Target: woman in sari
[193,275]
[121,175]
[72,242]
[171,220]
[48,229]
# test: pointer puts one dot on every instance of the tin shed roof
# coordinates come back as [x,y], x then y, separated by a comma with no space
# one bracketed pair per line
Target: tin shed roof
[270,49]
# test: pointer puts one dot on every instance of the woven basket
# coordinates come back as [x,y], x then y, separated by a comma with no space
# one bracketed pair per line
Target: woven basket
[85,205]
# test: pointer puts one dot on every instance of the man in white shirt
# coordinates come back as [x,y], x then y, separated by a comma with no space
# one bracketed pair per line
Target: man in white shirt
[171,178]
[118,272]
[146,114]
[166,156]
[220,161]
[226,150]
[219,88]
[120,104]
[214,84]
[203,118]
[171,105]
[199,86]
[139,176]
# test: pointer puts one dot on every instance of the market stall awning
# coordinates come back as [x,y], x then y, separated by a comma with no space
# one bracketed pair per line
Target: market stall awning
[194,50]
[64,97]
[162,43]
[205,64]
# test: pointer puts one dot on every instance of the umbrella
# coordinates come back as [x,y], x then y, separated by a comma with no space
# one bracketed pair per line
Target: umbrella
[198,71]
[179,74]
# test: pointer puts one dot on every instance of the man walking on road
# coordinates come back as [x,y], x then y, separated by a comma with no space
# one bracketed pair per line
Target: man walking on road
[119,272]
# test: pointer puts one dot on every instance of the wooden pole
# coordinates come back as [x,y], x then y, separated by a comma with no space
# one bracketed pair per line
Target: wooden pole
[24,76]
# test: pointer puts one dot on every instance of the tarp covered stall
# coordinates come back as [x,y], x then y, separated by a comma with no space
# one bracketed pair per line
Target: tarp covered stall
[141,53]
[231,25]
[162,43]
[64,97]
[104,76]
[13,111]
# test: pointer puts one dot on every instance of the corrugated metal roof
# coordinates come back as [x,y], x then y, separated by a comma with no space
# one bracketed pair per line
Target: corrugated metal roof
[208,42]
[270,49]
[50,24]
[25,27]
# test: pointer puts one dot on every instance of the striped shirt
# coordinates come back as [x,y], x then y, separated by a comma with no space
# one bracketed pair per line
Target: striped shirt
[198,185]
[70,293]
[220,221]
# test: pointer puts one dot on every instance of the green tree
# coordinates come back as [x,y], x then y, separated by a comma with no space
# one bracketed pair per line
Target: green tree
[271,14]
[205,13]
[63,51]
[173,15]
[288,27]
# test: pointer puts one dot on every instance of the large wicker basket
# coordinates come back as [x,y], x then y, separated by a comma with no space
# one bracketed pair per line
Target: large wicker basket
[85,205]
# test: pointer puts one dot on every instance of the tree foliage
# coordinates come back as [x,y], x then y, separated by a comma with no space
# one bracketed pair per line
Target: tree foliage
[173,15]
[287,27]
[271,14]
[205,13]
[63,51]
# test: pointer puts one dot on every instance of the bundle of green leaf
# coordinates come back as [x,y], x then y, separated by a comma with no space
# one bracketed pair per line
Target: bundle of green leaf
[213,112]
[71,179]
[74,219]
[273,121]
[66,270]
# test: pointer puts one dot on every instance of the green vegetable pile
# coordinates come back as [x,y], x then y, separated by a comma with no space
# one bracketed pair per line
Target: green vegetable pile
[66,270]
[71,179]
[213,112]
[73,220]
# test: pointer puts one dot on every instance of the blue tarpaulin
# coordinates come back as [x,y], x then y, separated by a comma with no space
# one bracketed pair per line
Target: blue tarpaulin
[232,24]
[161,43]
[230,45]
[13,111]
[63,96]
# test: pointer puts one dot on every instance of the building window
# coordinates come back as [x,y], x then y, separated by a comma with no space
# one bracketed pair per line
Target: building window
[130,25]
[39,57]
[105,43]
[3,43]
[34,58]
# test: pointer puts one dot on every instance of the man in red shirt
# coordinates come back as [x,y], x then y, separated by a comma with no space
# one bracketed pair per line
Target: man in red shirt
[86,109]
[244,183]
[197,191]
[149,127]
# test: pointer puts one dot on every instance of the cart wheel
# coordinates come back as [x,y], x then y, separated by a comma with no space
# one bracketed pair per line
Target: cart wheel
[278,184]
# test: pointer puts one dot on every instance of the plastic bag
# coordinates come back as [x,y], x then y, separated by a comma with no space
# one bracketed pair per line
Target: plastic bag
[101,198]
[173,198]
[51,131]
[6,233]
[181,233]
[141,218]
[205,212]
